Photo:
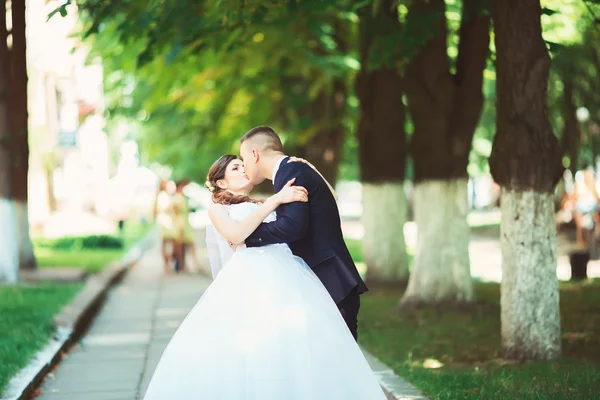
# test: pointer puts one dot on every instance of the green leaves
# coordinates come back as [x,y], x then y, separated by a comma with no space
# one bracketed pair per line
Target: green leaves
[548,11]
[202,73]
[62,10]
[554,47]
[192,76]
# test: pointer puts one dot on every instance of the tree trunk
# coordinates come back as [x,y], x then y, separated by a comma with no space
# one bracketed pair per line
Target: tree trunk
[383,202]
[324,148]
[530,320]
[19,119]
[526,163]
[327,112]
[571,135]
[439,274]
[445,109]
[382,151]
[9,255]
[27,259]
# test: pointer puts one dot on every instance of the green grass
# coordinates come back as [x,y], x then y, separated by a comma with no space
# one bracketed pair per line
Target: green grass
[355,249]
[92,260]
[354,246]
[467,344]
[27,311]
[26,322]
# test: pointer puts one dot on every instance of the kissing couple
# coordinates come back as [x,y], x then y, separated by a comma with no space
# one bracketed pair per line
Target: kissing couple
[279,321]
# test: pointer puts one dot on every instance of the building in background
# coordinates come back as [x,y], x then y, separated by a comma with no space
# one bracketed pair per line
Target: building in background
[69,160]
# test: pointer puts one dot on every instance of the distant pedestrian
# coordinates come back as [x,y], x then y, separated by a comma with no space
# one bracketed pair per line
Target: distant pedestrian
[164,214]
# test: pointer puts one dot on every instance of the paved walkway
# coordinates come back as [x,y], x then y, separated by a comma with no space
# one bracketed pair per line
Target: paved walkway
[116,358]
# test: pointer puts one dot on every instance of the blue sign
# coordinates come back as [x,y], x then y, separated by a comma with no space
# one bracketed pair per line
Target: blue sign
[67,139]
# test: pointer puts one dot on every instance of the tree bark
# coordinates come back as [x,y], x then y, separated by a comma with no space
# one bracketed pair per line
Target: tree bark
[327,112]
[9,255]
[382,203]
[445,108]
[526,162]
[439,274]
[382,151]
[571,134]
[324,148]
[19,120]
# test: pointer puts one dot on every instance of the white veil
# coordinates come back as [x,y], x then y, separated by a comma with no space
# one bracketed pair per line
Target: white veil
[219,251]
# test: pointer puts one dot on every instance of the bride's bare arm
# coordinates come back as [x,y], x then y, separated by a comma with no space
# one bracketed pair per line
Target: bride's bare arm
[238,231]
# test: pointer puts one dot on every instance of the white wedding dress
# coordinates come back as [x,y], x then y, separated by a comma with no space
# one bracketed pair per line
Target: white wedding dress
[266,329]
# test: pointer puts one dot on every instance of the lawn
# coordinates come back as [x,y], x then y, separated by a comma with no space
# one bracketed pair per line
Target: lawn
[354,246]
[26,322]
[27,311]
[92,260]
[355,249]
[456,354]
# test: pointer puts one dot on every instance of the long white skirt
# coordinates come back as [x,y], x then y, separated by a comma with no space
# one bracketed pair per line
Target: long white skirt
[266,329]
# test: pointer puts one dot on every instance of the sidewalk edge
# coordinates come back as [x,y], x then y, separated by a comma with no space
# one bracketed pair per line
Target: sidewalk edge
[73,320]
[395,387]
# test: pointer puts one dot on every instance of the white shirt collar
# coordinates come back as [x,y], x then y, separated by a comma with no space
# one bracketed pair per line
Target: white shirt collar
[277,165]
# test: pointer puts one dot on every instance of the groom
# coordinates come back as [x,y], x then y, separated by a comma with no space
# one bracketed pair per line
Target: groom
[313,229]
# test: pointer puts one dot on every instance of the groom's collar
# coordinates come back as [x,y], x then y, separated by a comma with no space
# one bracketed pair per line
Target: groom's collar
[276,168]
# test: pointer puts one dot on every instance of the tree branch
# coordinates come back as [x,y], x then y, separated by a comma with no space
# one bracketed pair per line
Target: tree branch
[473,45]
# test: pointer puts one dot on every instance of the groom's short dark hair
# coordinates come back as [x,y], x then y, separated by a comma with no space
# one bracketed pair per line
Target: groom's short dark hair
[272,140]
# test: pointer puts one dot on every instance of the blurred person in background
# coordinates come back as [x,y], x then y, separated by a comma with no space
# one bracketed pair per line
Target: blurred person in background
[164,215]
[184,242]
[585,204]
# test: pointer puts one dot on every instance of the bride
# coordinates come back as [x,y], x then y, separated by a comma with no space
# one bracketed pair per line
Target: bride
[266,328]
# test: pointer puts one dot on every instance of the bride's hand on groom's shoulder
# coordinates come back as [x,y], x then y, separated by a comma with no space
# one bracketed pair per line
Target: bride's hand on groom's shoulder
[290,193]
[302,160]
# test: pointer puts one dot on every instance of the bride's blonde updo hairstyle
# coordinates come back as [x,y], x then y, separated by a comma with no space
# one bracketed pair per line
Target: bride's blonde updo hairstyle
[215,174]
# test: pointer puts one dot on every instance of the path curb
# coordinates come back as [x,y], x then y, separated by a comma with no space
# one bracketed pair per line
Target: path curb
[394,386]
[73,321]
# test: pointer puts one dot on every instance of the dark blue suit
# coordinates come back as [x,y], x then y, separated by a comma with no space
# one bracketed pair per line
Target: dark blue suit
[313,231]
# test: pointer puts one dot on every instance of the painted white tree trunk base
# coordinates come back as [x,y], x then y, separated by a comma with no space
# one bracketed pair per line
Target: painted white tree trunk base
[530,296]
[9,242]
[441,270]
[26,254]
[383,218]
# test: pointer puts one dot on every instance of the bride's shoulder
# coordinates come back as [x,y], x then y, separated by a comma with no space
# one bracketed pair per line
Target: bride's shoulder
[215,208]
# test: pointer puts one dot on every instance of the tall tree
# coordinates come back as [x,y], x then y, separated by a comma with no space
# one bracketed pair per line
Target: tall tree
[445,108]
[19,120]
[381,139]
[323,145]
[9,256]
[526,162]
[320,117]
[242,48]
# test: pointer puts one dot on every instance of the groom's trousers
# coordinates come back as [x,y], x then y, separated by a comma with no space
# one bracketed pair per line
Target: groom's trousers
[349,310]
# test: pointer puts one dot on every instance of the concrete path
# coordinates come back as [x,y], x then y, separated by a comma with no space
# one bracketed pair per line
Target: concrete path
[116,358]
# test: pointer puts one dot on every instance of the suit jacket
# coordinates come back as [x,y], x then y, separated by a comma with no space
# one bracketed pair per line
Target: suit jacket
[312,230]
